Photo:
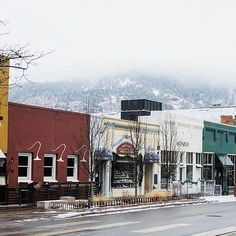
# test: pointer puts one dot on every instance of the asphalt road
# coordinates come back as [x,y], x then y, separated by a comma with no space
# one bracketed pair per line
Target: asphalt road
[197,220]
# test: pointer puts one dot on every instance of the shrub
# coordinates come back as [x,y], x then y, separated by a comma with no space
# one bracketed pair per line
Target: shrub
[101,198]
[162,195]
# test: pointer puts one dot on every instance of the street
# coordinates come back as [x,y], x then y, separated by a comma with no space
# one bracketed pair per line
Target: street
[198,220]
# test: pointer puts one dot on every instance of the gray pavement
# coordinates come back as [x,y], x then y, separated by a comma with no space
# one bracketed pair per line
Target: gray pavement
[199,220]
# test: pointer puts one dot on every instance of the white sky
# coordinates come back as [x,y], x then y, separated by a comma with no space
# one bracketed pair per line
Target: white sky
[193,40]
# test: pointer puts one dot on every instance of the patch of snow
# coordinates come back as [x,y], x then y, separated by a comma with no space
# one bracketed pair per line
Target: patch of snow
[125,82]
[220,199]
[156,92]
[67,215]
[36,219]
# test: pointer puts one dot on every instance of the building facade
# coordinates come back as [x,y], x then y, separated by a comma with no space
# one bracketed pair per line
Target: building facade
[187,151]
[44,146]
[117,171]
[4,75]
[219,150]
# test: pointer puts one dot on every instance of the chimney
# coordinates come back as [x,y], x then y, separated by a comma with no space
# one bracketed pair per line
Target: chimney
[227,119]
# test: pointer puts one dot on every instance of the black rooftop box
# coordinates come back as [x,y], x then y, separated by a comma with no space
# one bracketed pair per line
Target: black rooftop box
[132,109]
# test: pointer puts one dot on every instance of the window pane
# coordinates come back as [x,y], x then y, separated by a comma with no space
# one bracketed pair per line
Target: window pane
[70,162]
[48,161]
[22,171]
[198,158]
[155,178]
[2,168]
[189,174]
[207,172]
[70,172]
[23,161]
[47,171]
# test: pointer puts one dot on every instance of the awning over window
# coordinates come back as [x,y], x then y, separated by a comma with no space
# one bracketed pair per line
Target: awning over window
[103,154]
[151,157]
[2,155]
[225,161]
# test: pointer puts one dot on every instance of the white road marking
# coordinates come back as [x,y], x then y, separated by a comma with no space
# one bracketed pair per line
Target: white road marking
[159,228]
[69,224]
[216,232]
[98,227]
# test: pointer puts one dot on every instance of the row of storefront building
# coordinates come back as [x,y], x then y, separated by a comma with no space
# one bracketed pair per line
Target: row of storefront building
[44,148]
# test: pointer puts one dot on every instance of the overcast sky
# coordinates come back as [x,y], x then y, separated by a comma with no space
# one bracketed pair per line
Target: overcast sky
[194,40]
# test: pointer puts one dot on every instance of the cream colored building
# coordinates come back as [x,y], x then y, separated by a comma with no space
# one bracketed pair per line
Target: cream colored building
[116,170]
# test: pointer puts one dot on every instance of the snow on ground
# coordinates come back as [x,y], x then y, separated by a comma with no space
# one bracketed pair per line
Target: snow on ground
[66,215]
[229,198]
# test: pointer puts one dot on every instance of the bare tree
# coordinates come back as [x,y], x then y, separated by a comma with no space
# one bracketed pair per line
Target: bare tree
[15,57]
[137,139]
[169,152]
[97,148]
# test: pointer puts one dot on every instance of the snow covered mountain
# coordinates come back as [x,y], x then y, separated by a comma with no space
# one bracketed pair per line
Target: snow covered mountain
[105,95]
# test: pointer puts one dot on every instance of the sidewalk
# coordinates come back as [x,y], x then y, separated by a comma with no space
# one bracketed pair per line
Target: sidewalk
[14,206]
[120,209]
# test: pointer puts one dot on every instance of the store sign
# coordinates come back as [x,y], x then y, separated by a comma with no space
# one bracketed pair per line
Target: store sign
[125,149]
[183,144]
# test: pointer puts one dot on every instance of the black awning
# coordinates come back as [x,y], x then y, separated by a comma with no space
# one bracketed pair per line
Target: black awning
[151,157]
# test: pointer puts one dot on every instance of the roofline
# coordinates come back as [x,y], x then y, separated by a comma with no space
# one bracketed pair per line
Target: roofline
[130,121]
[46,108]
[218,123]
[196,108]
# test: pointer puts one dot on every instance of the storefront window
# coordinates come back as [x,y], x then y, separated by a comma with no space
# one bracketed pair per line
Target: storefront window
[123,175]
[207,173]
[231,171]
[208,166]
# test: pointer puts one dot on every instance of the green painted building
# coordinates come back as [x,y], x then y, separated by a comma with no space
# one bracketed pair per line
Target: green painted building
[219,154]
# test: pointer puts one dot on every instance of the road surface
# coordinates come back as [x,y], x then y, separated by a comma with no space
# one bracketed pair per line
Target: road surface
[198,220]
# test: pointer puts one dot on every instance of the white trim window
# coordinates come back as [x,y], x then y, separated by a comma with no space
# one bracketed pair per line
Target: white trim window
[50,167]
[189,166]
[72,168]
[24,167]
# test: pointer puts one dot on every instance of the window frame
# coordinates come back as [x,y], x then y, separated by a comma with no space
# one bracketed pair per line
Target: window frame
[198,156]
[75,168]
[52,178]
[28,178]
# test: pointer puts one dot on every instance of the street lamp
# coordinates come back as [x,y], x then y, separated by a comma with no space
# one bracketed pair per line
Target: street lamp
[86,148]
[60,158]
[37,153]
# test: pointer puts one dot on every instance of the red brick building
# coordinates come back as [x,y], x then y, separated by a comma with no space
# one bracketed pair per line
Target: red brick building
[58,138]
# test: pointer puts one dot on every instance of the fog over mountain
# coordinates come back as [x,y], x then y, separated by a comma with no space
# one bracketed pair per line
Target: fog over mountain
[105,95]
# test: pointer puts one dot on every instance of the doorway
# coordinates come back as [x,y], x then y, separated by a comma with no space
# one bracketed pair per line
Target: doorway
[148,178]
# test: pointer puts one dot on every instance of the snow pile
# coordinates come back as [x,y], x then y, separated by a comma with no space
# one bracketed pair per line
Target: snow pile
[219,199]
